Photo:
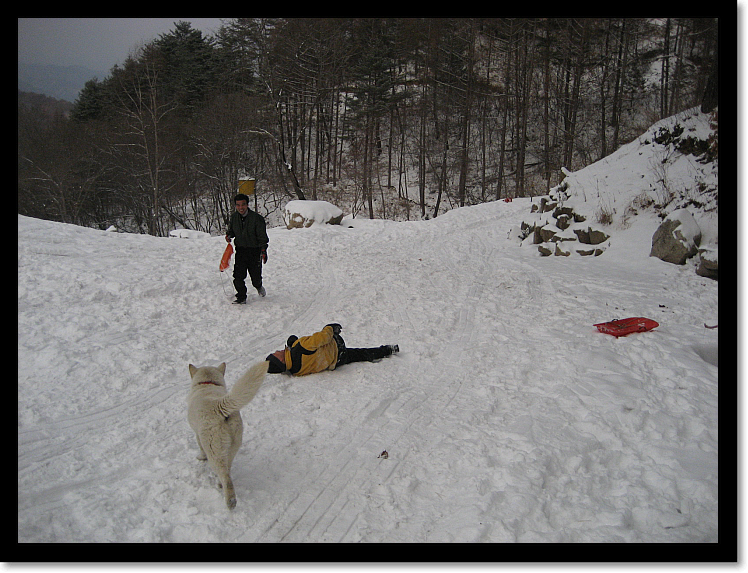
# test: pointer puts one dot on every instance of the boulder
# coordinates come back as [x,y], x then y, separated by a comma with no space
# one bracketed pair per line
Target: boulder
[544,250]
[708,264]
[558,211]
[546,234]
[588,252]
[677,238]
[188,234]
[301,214]
[591,236]
[561,252]
[562,225]
[547,205]
[563,221]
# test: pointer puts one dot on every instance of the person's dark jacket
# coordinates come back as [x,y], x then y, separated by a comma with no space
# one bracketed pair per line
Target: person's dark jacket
[248,231]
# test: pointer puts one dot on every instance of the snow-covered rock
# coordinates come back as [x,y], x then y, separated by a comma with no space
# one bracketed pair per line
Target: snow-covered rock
[677,239]
[188,234]
[708,263]
[661,173]
[299,214]
[562,225]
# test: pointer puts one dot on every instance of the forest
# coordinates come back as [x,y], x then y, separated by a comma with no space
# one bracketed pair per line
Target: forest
[398,118]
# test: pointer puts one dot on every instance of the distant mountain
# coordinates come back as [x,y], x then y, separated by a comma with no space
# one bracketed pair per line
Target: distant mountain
[49,106]
[60,82]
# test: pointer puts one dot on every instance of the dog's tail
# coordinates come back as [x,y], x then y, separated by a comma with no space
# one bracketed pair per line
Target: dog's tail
[244,390]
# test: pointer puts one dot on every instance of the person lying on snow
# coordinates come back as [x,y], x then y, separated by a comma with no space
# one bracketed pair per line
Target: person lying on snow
[324,350]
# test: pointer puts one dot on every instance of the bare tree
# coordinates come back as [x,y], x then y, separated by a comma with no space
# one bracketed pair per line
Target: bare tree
[143,143]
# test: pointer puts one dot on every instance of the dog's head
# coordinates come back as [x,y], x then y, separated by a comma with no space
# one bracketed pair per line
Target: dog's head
[208,375]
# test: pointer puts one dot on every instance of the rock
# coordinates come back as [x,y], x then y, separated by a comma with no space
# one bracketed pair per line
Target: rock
[588,252]
[563,221]
[560,252]
[591,236]
[300,214]
[188,234]
[546,234]
[546,205]
[708,264]
[558,211]
[536,238]
[677,238]
[597,237]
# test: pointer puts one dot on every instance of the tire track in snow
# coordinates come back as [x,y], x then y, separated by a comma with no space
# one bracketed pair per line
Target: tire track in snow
[41,444]
[312,314]
[407,423]
[325,512]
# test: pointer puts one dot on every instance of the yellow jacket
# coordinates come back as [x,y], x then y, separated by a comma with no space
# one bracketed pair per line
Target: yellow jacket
[311,354]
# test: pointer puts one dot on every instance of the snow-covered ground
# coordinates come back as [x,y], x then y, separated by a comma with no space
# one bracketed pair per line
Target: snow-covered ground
[506,416]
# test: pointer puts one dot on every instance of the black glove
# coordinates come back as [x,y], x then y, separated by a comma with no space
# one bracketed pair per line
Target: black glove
[336,328]
[264,256]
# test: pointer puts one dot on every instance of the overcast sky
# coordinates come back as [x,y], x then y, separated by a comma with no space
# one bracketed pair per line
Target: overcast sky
[94,43]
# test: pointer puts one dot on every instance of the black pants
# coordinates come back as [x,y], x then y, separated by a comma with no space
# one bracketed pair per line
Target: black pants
[348,355]
[247,259]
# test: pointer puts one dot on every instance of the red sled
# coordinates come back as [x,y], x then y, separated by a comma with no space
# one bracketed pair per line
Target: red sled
[626,326]
[226,258]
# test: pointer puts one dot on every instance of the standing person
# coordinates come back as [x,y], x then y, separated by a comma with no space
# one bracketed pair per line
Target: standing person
[324,350]
[247,228]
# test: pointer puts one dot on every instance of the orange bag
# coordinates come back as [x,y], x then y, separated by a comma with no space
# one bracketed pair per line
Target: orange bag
[226,257]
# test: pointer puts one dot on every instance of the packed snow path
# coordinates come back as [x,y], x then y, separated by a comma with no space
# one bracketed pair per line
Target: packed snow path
[506,416]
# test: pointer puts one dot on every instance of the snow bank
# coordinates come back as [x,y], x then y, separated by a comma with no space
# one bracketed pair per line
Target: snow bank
[643,175]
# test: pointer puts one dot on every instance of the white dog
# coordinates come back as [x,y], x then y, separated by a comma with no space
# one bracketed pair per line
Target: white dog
[214,416]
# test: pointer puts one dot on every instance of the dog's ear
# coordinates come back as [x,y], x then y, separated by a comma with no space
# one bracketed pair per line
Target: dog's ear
[192,370]
[222,368]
